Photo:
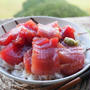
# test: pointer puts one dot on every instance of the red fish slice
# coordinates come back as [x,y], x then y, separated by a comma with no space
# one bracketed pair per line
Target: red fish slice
[24,37]
[27,59]
[68,31]
[55,25]
[71,59]
[11,35]
[31,25]
[44,56]
[49,31]
[28,30]
[13,55]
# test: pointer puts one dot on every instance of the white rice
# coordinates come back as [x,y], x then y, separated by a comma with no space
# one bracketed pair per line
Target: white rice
[19,71]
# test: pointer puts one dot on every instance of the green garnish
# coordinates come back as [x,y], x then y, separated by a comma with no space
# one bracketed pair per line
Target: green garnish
[70,41]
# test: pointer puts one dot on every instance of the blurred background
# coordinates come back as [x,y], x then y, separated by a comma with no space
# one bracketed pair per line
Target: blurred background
[57,8]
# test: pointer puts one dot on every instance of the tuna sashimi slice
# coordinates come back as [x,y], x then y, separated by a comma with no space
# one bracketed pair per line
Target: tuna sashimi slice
[45,60]
[49,31]
[13,55]
[27,59]
[71,59]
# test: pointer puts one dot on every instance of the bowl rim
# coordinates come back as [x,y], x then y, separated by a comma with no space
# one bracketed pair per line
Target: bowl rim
[46,81]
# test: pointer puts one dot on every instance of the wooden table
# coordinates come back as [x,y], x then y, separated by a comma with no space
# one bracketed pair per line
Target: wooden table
[9,84]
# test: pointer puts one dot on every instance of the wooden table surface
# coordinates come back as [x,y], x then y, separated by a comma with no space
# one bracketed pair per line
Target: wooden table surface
[9,84]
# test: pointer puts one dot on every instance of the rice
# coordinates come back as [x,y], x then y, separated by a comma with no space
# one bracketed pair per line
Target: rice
[20,72]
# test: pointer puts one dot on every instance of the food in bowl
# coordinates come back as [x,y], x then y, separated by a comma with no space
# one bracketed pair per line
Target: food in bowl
[41,52]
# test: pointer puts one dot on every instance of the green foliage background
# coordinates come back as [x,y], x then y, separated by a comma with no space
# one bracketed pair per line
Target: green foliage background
[57,8]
